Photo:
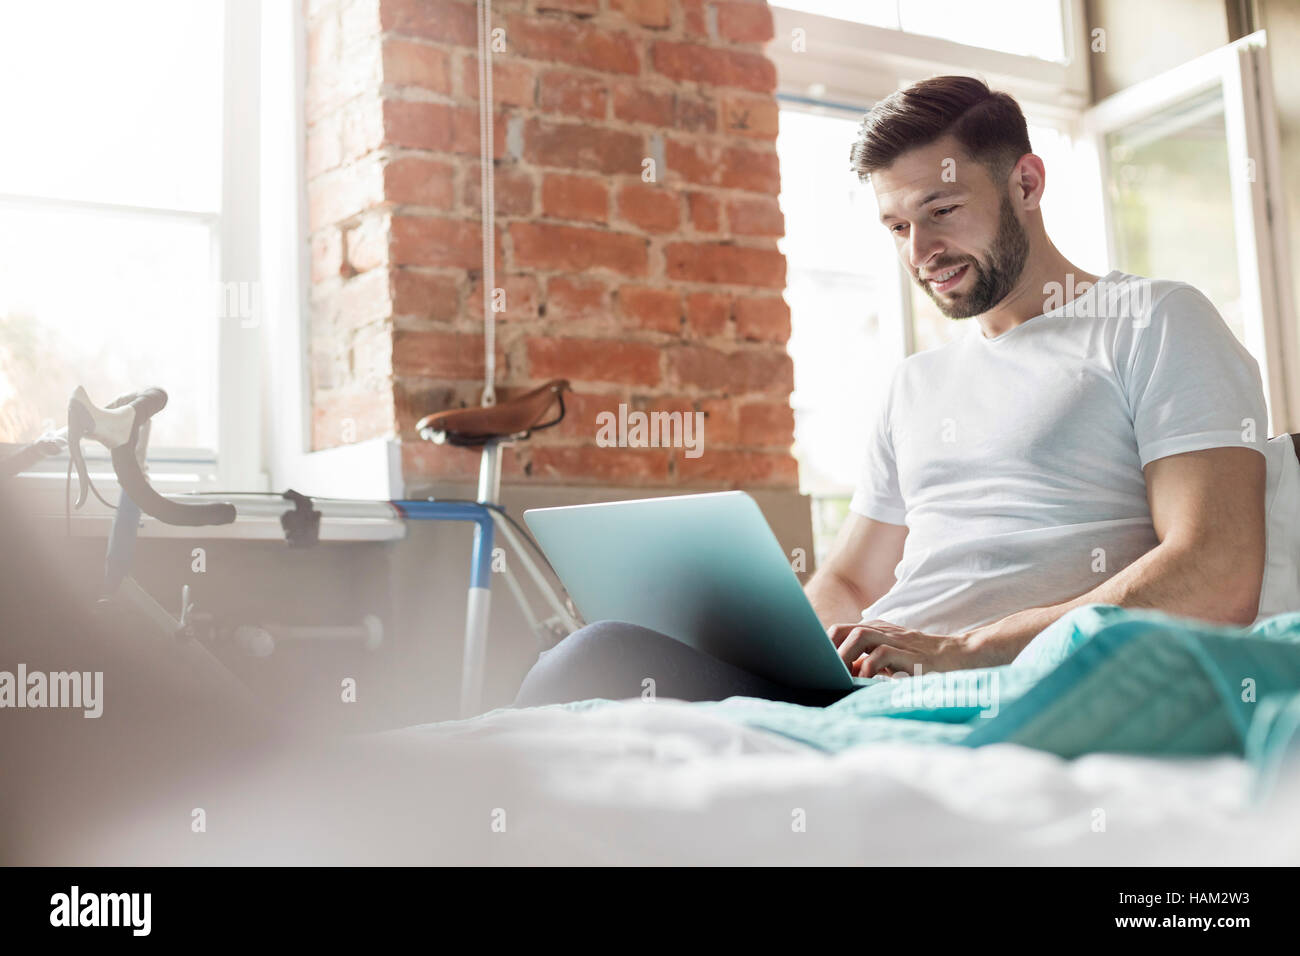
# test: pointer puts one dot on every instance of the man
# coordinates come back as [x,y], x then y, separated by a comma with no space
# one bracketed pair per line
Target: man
[1090,440]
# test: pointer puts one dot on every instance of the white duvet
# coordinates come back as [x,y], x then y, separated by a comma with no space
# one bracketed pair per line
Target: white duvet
[666,783]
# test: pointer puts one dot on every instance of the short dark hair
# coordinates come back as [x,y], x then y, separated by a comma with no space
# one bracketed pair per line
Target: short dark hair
[989,126]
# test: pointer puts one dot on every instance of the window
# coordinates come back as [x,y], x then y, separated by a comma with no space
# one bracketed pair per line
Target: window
[1025,27]
[128,190]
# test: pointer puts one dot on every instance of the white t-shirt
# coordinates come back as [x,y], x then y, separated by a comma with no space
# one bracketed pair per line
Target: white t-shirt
[1016,461]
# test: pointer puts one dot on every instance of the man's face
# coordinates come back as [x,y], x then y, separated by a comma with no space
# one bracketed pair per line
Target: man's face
[954,227]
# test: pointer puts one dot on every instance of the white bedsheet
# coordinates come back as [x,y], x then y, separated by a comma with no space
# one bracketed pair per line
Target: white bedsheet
[662,782]
[667,783]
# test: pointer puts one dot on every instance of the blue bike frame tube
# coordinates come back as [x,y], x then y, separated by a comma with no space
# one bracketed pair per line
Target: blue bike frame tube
[121,543]
[481,569]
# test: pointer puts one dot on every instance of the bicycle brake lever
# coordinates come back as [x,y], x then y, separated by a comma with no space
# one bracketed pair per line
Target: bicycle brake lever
[80,424]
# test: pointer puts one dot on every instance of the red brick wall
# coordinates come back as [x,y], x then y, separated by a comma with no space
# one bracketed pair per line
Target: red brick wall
[665,295]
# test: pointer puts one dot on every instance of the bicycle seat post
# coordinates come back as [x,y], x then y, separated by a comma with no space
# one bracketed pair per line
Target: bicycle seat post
[489,473]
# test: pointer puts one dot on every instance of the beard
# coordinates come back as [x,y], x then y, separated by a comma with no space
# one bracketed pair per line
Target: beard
[993,281]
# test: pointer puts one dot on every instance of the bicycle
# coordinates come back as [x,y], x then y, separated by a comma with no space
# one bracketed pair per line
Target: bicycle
[122,427]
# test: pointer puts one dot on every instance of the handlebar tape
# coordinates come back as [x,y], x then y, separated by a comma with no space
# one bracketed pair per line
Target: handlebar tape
[147,404]
[138,489]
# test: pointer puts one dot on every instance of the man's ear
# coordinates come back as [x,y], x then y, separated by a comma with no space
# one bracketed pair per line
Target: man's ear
[1027,181]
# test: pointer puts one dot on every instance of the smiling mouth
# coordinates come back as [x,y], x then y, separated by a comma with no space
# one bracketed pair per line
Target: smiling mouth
[944,281]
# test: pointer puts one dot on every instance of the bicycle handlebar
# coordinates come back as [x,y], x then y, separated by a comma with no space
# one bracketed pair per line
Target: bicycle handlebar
[118,428]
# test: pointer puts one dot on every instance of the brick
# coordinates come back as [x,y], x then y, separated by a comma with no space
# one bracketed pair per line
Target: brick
[577,248]
[575,197]
[739,469]
[581,410]
[733,373]
[575,94]
[521,298]
[744,22]
[766,425]
[646,13]
[370,356]
[695,114]
[513,83]
[634,104]
[713,66]
[710,164]
[651,208]
[326,254]
[707,313]
[694,22]
[593,360]
[360,18]
[558,41]
[434,126]
[408,63]
[417,181]
[512,189]
[364,299]
[576,298]
[423,459]
[324,146]
[361,129]
[763,318]
[440,242]
[754,116]
[323,44]
[344,193]
[439,354]
[367,243]
[574,146]
[756,217]
[447,21]
[705,211]
[358,414]
[580,7]
[427,295]
[726,264]
[656,310]
[593,465]
[354,72]
[753,170]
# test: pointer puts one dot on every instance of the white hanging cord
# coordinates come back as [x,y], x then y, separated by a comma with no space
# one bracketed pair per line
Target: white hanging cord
[487,198]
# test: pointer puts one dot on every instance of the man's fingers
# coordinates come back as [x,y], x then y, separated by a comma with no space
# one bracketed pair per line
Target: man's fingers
[837,632]
[888,661]
[857,641]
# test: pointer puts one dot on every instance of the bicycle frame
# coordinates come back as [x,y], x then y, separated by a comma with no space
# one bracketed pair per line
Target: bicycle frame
[478,605]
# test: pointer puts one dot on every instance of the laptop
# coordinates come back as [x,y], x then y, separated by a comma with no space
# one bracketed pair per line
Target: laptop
[705,569]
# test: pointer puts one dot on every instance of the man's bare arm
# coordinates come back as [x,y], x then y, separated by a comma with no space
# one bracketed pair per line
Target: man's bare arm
[858,571]
[1207,508]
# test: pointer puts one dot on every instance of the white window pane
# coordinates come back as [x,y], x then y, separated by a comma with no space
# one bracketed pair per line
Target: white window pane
[113,102]
[1024,27]
[876,13]
[110,302]
[1171,196]
[842,288]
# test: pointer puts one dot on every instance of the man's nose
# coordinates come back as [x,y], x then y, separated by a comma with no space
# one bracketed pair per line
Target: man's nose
[922,248]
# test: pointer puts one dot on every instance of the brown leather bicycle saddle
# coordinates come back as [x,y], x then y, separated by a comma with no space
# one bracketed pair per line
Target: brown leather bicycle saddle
[516,417]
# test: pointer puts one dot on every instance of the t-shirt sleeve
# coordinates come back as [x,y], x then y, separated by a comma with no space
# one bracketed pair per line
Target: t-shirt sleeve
[877,494]
[1191,385]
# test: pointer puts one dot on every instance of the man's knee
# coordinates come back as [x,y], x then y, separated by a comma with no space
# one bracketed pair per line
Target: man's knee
[592,656]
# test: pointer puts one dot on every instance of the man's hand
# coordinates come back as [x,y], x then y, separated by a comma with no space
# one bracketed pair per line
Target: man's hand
[881,649]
